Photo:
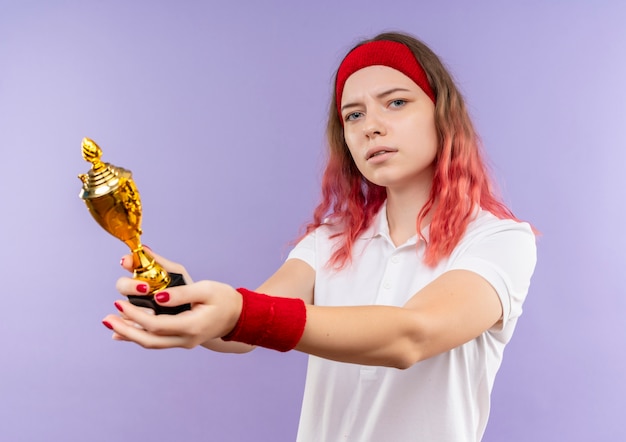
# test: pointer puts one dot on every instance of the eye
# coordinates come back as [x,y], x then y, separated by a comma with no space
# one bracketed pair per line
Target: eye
[353,116]
[397,103]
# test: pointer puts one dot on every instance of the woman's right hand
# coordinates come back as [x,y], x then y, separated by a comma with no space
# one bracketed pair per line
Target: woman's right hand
[215,309]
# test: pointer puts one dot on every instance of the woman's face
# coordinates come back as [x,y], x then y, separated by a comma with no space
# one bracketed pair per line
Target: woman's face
[389,127]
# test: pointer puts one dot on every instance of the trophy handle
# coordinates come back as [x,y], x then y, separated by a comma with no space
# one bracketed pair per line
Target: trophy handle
[157,278]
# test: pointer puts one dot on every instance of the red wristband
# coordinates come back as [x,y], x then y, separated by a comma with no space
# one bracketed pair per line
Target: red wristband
[269,321]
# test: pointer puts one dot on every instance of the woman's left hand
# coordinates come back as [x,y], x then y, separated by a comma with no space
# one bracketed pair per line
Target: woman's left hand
[215,309]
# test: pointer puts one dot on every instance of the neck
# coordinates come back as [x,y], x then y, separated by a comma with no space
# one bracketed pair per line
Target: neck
[403,207]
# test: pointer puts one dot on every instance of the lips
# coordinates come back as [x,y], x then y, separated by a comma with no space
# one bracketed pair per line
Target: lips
[379,150]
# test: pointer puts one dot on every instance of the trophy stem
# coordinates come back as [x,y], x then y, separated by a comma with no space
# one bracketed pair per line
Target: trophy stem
[148,270]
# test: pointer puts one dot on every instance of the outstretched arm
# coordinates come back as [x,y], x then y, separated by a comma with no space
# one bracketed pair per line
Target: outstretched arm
[453,309]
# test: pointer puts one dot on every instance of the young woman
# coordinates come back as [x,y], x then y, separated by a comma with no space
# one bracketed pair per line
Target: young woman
[411,277]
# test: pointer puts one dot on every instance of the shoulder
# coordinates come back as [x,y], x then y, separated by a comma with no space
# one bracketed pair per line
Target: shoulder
[506,244]
[488,235]
[316,246]
[486,222]
[504,232]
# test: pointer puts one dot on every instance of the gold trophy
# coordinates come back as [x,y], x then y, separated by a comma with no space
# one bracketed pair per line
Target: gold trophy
[112,199]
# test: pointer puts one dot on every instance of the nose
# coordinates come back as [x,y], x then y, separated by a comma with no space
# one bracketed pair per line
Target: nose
[374,125]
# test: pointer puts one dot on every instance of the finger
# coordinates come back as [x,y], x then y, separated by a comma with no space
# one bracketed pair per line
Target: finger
[202,292]
[127,262]
[124,331]
[118,337]
[166,263]
[144,318]
[129,286]
[135,324]
[170,266]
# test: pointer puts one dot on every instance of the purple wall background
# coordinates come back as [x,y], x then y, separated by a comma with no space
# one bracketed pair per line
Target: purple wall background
[218,109]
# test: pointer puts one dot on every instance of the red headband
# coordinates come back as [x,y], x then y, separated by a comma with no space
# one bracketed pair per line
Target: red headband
[381,53]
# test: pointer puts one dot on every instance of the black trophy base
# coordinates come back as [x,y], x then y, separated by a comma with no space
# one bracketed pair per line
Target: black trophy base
[149,302]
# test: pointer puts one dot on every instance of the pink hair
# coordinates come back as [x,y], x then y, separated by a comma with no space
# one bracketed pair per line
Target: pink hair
[461,181]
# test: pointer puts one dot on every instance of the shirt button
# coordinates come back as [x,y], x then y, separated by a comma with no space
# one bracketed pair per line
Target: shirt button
[387,285]
[395,259]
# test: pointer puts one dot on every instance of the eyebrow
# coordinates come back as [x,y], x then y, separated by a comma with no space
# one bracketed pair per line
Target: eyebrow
[379,96]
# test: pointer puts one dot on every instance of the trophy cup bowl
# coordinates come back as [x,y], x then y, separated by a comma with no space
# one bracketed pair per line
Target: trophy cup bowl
[113,201]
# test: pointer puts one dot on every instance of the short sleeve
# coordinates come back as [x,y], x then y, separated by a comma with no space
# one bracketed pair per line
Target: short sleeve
[305,250]
[504,253]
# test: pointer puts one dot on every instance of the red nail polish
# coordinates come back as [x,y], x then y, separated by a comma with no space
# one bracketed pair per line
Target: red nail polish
[118,306]
[162,297]
[122,261]
[107,325]
[142,288]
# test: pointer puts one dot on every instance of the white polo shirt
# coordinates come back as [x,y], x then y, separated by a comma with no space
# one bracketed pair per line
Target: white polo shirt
[443,398]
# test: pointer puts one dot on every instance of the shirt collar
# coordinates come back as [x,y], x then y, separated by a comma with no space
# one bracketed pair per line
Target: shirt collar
[380,228]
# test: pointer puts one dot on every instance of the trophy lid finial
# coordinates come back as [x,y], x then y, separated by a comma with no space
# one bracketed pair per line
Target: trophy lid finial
[91,151]
[103,178]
